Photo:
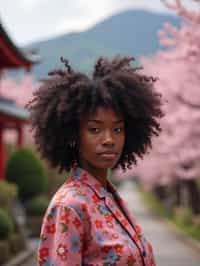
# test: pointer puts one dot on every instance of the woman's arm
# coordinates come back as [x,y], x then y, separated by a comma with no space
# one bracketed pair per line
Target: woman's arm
[61,237]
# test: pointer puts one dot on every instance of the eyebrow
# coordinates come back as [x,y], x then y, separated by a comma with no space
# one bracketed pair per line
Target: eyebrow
[100,121]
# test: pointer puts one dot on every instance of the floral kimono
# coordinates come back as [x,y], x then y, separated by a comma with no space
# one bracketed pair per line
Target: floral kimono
[90,226]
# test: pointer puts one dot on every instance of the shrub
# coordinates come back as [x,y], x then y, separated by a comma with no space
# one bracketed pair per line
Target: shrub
[55,180]
[37,206]
[8,192]
[153,203]
[5,251]
[27,171]
[16,242]
[6,224]
[196,221]
[183,215]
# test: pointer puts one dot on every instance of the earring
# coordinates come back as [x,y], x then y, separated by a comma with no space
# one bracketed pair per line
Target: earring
[72,144]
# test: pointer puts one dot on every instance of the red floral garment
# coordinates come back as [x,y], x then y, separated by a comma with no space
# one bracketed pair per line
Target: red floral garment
[88,226]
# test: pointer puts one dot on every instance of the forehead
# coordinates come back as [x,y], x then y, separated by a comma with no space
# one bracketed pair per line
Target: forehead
[104,114]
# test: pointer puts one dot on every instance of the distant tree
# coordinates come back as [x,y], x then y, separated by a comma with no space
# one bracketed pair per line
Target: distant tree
[176,153]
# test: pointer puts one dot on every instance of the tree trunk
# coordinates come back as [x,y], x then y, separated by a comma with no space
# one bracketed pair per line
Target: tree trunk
[194,193]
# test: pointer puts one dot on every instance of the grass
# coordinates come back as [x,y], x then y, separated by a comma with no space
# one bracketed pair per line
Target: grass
[181,219]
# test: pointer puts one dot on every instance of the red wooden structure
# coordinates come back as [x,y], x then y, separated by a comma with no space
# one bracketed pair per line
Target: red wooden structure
[11,115]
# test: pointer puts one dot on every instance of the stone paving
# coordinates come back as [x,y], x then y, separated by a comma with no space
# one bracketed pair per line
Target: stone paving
[32,261]
[168,250]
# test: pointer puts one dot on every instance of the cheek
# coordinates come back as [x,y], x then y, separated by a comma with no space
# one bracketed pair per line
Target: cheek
[121,141]
[88,144]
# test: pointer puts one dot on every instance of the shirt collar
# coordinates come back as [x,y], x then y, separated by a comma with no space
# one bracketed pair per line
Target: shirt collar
[85,177]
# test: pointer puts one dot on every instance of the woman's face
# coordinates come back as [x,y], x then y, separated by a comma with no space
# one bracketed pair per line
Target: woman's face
[102,137]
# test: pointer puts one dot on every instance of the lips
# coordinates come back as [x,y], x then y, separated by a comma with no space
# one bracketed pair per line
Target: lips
[108,155]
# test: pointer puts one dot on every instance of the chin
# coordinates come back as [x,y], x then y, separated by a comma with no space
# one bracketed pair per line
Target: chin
[107,165]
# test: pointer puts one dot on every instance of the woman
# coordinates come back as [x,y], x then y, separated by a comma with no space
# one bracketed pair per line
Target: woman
[87,126]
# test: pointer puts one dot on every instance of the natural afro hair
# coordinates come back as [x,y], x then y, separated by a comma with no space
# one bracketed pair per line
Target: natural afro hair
[62,101]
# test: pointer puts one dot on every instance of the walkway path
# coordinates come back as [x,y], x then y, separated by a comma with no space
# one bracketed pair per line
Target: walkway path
[168,250]
[32,261]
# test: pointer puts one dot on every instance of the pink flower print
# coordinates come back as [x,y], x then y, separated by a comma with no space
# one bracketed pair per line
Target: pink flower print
[138,229]
[76,185]
[109,217]
[62,251]
[43,252]
[51,229]
[117,213]
[131,260]
[77,222]
[65,216]
[95,198]
[115,236]
[124,222]
[119,249]
[109,224]
[98,224]
[83,207]
[106,248]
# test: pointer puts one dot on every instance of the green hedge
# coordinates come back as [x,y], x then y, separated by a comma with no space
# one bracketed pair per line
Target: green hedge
[37,206]
[27,171]
[8,192]
[6,224]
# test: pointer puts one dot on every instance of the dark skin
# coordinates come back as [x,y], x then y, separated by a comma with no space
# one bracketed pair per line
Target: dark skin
[101,141]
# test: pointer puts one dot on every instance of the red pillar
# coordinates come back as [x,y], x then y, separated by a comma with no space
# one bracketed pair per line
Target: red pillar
[2,154]
[20,136]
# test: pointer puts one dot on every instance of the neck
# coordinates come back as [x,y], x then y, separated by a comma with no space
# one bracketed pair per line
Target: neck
[99,174]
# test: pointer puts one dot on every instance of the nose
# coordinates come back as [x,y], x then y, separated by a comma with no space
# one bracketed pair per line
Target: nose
[108,138]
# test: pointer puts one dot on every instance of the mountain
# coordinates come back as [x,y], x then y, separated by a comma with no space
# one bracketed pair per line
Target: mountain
[132,32]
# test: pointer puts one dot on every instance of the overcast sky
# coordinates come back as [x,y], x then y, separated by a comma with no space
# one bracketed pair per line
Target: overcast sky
[32,20]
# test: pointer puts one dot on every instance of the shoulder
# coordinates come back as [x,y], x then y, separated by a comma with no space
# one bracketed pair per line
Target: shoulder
[72,191]
[74,195]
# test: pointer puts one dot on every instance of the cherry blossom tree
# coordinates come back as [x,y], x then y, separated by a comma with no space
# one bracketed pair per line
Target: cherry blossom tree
[176,152]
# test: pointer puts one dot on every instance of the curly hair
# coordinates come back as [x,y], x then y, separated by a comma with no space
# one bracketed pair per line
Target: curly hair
[67,96]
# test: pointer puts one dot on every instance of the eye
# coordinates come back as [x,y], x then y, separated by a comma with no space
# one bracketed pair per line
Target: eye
[94,130]
[119,129]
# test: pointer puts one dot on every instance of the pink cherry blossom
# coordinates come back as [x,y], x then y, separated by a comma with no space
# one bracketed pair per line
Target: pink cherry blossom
[176,152]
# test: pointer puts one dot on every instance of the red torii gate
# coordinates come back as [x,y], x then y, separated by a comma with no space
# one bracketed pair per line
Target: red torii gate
[11,115]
